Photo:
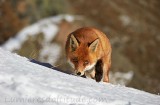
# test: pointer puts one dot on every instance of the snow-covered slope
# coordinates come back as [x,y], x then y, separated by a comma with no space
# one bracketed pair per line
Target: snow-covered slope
[22,83]
[49,27]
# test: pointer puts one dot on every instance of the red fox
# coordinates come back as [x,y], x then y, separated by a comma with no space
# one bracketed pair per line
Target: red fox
[88,51]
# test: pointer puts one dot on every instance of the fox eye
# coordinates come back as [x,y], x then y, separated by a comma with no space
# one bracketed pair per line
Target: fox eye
[75,60]
[86,63]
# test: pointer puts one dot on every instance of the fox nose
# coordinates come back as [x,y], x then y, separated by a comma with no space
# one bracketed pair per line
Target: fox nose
[78,73]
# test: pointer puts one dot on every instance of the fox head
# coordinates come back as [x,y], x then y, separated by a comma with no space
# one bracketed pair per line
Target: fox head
[82,56]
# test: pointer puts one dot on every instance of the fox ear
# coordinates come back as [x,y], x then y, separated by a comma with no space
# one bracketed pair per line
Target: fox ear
[93,45]
[73,43]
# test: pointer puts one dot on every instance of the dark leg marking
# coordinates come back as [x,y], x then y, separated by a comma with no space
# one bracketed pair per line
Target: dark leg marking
[99,70]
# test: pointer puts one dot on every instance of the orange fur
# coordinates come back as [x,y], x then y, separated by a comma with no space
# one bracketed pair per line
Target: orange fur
[84,47]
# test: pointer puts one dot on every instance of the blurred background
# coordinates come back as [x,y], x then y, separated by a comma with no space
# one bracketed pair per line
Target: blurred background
[38,29]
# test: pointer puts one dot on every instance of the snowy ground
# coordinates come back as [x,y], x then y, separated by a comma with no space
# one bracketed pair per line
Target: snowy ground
[49,27]
[23,83]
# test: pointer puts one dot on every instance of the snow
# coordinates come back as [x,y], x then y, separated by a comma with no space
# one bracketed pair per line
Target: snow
[49,52]
[125,19]
[23,83]
[121,78]
[47,26]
